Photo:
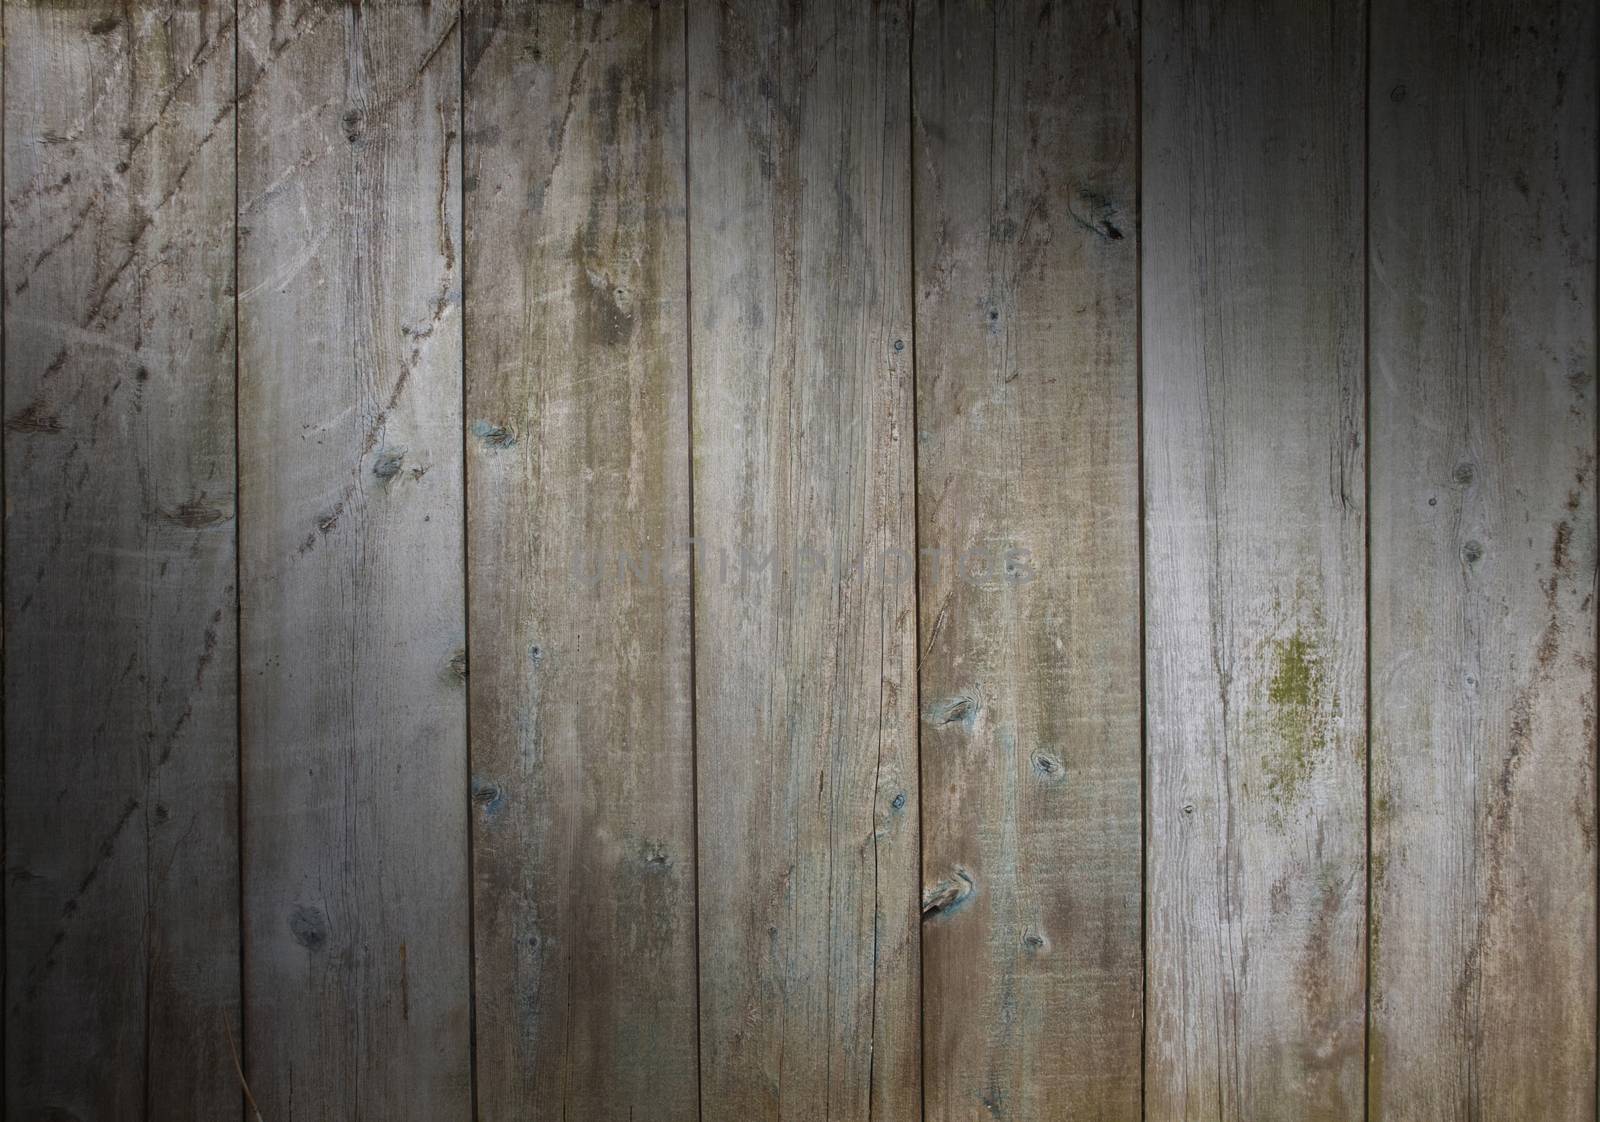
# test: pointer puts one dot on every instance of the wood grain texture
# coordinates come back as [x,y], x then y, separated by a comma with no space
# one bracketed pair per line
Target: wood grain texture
[353,615]
[805,659]
[577,408]
[121,752]
[1028,523]
[1482,274]
[1254,543]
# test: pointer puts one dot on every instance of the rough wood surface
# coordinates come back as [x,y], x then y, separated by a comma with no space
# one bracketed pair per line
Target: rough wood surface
[1082,300]
[1254,545]
[353,615]
[1482,273]
[120,773]
[1027,403]
[805,660]
[578,453]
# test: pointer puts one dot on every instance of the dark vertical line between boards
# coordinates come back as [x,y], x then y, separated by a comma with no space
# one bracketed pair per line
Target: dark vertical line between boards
[1366,548]
[147,770]
[1594,296]
[694,687]
[5,928]
[243,1048]
[916,547]
[466,579]
[1144,691]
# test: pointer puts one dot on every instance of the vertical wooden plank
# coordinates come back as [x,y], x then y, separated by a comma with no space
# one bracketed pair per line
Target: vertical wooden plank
[1254,408]
[803,498]
[1028,481]
[577,405]
[121,766]
[1482,276]
[354,703]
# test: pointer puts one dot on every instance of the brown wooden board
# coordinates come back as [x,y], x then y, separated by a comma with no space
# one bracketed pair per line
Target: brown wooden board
[1026,152]
[578,461]
[353,617]
[805,631]
[1482,275]
[122,943]
[1254,402]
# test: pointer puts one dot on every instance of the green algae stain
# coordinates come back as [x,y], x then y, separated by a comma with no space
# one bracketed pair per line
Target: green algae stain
[1297,672]
[1297,717]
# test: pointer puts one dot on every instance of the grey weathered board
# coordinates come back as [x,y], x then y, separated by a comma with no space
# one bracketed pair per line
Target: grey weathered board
[122,975]
[1263,336]
[1025,155]
[353,614]
[800,329]
[1255,522]
[1482,274]
[578,463]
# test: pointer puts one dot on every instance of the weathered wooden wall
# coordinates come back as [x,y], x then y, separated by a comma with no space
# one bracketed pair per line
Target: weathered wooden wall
[878,559]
